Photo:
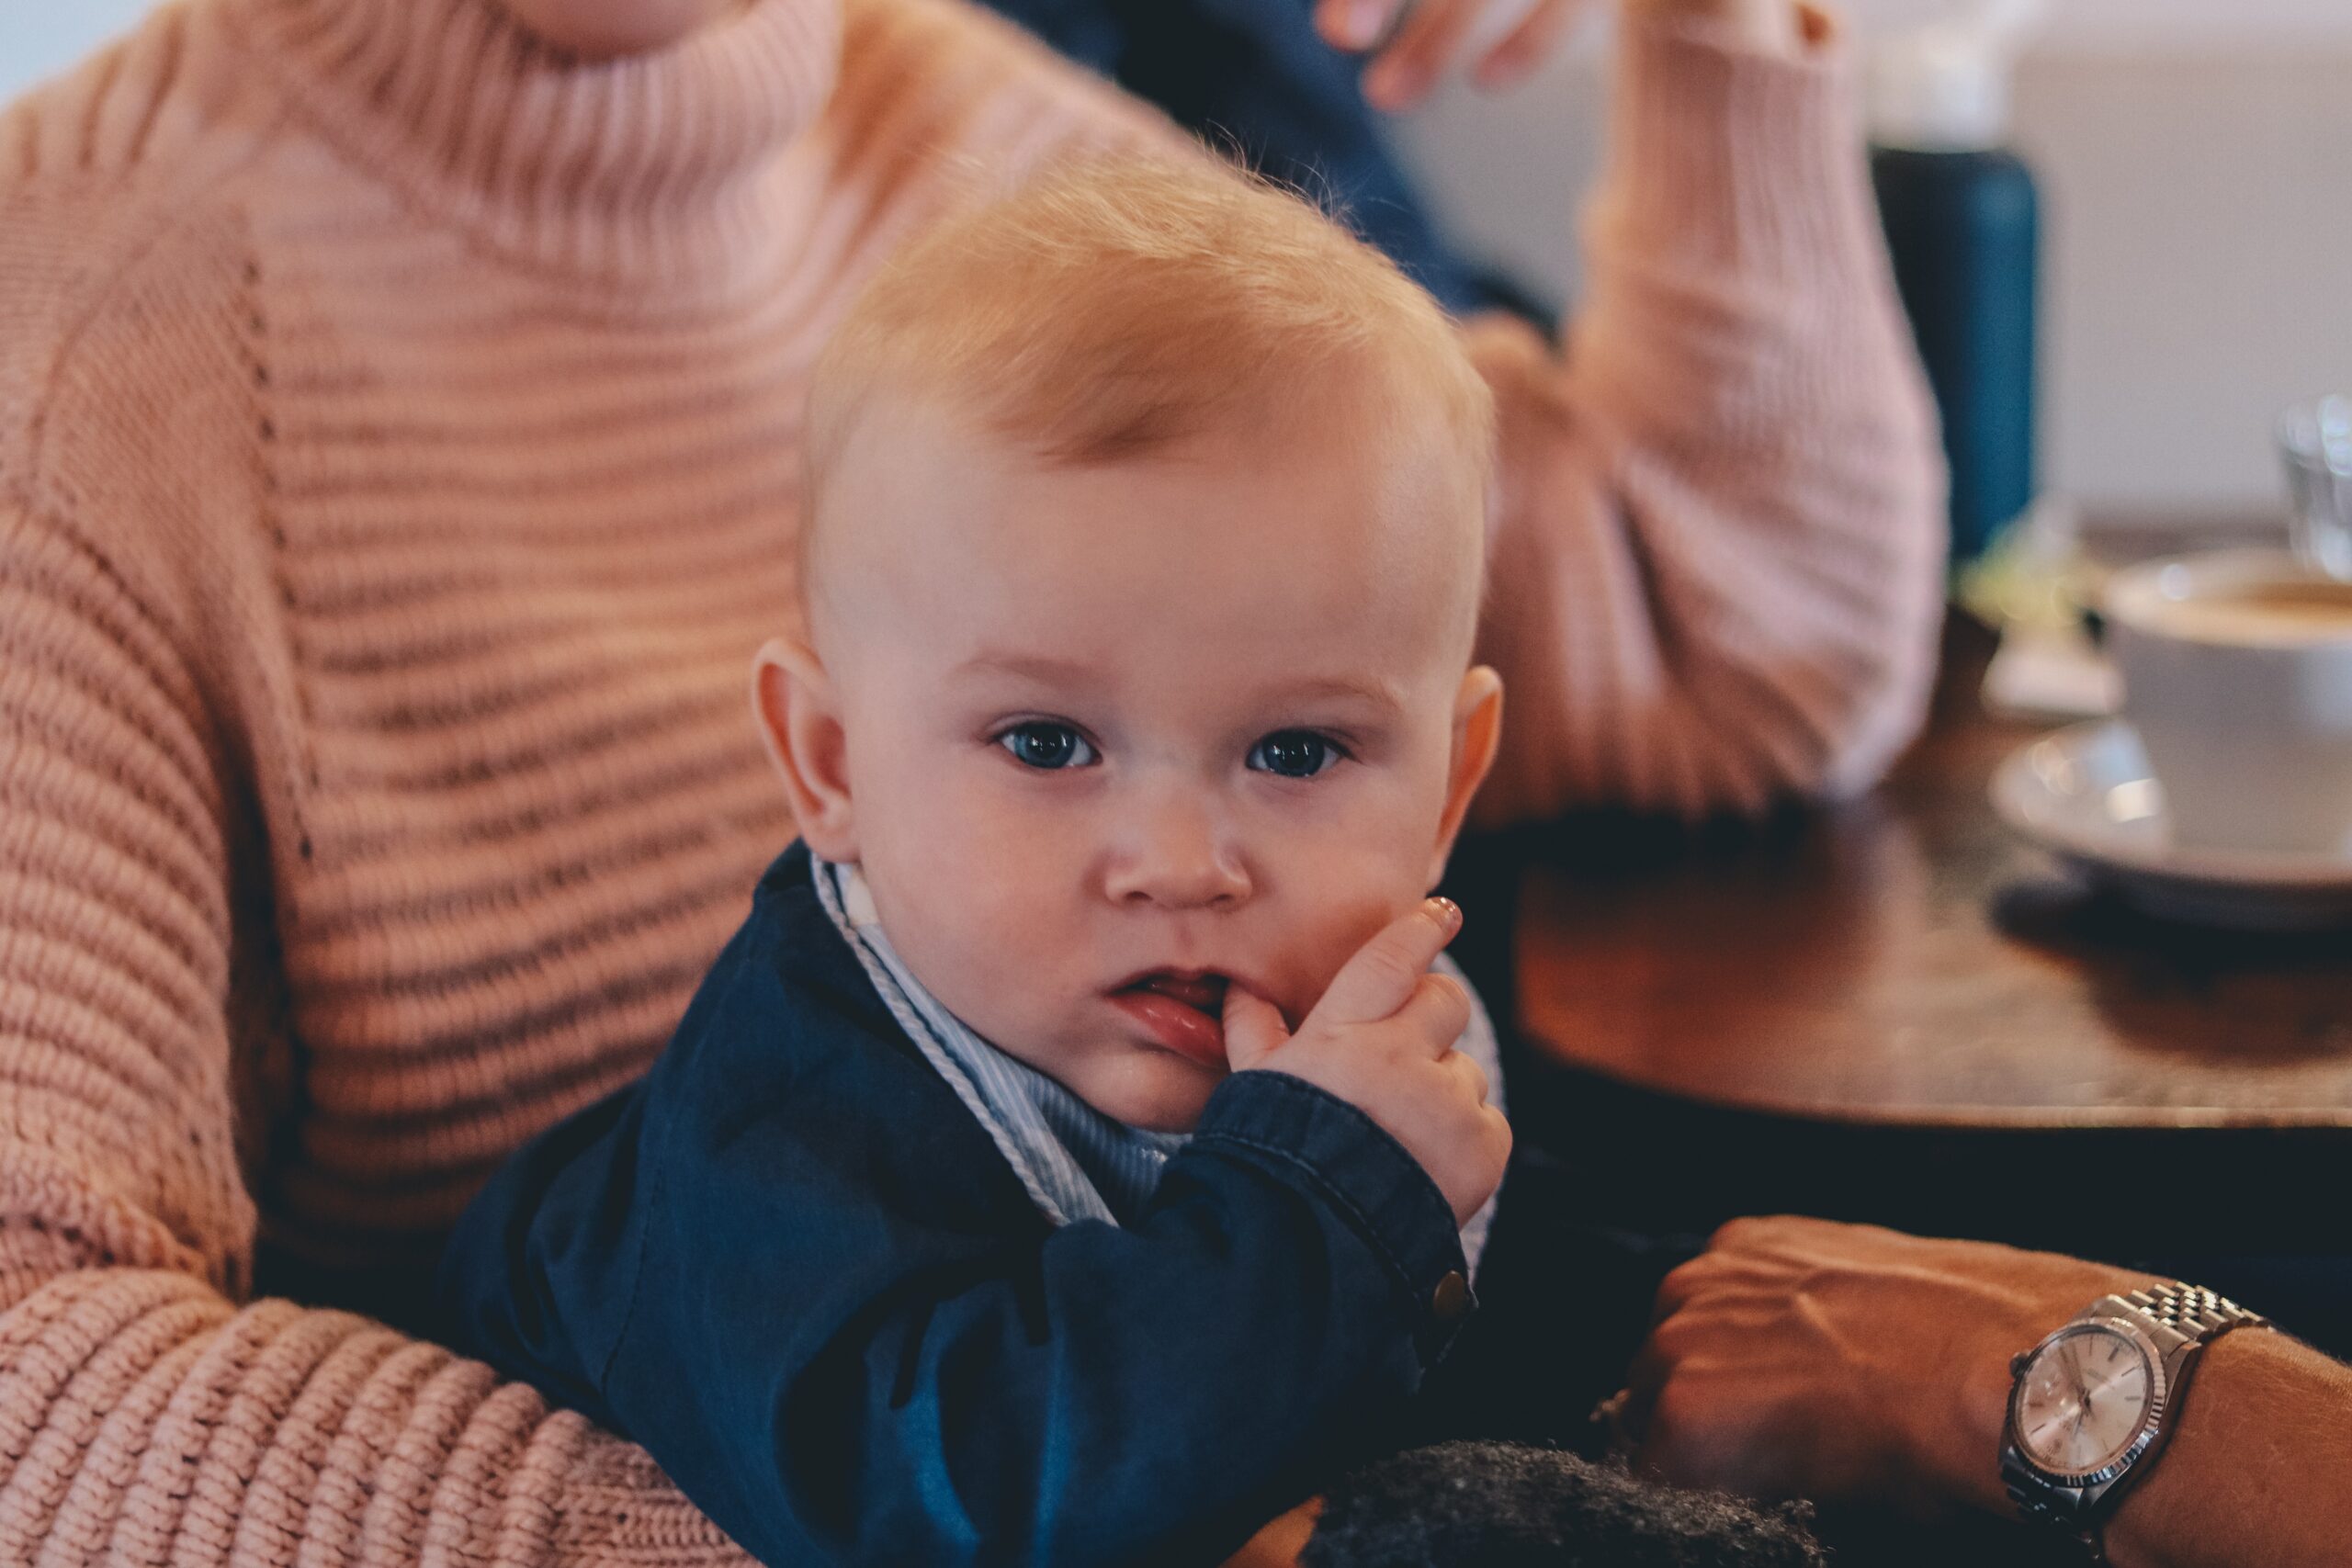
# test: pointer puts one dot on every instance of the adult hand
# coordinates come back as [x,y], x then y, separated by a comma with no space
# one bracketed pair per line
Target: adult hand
[1417,50]
[1382,1039]
[1800,1358]
[1413,54]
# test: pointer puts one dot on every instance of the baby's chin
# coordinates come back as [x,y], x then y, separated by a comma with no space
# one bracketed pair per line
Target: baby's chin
[1140,1087]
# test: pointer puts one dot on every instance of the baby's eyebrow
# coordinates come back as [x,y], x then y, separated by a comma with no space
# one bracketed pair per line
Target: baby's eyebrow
[1327,686]
[1047,670]
[1043,669]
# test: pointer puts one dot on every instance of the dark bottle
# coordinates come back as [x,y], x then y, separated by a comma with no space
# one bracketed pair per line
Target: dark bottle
[1963,225]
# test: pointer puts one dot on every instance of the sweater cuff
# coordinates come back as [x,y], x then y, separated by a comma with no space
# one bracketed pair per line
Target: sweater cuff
[1726,158]
[1304,1135]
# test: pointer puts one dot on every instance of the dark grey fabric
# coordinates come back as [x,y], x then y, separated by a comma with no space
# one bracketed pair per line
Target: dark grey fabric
[1508,1505]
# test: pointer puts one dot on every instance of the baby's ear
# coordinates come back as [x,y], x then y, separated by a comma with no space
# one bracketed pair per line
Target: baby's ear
[1478,731]
[800,719]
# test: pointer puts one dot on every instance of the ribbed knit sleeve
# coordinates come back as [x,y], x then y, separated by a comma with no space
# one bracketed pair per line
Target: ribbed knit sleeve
[1717,567]
[150,729]
[144,1416]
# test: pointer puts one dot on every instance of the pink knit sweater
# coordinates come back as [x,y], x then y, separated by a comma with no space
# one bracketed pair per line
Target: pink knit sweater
[397,433]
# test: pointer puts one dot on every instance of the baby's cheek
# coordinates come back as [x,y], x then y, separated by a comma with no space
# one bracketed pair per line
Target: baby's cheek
[1001,878]
[1333,942]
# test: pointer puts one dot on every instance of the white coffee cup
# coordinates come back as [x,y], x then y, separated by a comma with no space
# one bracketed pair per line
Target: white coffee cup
[2237,674]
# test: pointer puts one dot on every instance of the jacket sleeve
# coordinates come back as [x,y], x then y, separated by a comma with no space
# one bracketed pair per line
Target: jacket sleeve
[835,1382]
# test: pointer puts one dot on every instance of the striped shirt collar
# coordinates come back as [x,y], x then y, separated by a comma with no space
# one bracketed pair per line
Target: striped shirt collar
[1076,1162]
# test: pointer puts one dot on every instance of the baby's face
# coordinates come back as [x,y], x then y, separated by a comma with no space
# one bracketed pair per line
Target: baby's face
[1110,738]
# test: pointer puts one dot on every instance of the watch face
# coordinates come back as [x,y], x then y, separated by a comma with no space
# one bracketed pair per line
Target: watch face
[2084,1399]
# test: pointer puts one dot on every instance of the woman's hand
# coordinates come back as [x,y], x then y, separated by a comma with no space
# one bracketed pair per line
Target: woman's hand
[1417,50]
[1432,33]
[1799,1357]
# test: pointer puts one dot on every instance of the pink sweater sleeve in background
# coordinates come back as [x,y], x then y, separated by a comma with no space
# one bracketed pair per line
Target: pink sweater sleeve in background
[335,862]
[1717,570]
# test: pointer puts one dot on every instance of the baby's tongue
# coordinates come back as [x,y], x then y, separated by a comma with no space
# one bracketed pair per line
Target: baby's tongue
[1206,994]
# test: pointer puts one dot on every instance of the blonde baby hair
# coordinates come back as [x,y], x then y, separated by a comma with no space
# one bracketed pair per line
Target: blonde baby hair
[1114,307]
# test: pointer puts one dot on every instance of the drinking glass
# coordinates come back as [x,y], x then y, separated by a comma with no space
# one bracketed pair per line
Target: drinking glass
[2315,439]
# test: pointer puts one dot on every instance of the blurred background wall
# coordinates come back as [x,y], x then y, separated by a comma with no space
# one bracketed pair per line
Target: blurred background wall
[2195,161]
[2197,164]
[37,37]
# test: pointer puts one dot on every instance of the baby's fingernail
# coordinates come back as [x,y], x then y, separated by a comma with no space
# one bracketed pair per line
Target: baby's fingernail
[1445,912]
[1362,20]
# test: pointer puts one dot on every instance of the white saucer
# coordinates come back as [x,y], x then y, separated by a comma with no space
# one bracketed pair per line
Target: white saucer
[2086,794]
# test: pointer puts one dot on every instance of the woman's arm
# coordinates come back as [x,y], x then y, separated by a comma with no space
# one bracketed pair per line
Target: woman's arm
[1718,564]
[151,1412]
[1799,1357]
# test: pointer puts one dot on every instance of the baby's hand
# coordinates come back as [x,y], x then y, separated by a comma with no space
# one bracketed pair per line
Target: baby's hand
[1382,1039]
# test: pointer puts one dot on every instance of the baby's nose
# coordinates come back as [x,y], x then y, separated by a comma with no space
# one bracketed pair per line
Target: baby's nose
[1176,857]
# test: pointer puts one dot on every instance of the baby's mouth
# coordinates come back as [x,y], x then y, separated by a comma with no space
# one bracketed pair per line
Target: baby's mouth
[1203,992]
[1183,1013]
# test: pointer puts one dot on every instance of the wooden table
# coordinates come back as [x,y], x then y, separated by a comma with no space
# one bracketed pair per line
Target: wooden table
[1893,1010]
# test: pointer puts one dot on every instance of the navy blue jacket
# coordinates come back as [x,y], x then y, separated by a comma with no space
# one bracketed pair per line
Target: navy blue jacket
[794,1267]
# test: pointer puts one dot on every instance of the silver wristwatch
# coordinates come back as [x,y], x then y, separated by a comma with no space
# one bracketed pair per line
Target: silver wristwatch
[2091,1406]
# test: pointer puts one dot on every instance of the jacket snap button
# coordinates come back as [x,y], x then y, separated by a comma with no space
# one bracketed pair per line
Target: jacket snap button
[1450,1303]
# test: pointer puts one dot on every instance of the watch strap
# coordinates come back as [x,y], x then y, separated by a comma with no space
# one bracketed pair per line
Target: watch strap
[2179,1319]
[2037,1505]
[2189,1313]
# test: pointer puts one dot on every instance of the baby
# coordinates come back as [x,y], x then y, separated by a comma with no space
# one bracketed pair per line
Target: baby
[1072,1154]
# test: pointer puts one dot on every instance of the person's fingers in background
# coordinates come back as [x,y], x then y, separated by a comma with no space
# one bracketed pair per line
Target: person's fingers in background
[1415,42]
[1356,25]
[1532,40]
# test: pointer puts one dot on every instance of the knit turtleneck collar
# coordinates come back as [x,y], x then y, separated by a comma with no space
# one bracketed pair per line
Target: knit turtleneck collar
[644,169]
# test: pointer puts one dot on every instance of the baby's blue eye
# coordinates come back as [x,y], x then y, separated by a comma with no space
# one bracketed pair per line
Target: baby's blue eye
[1293,753]
[1047,746]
